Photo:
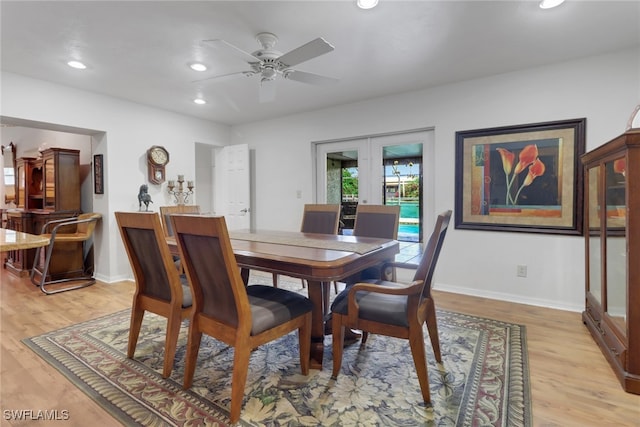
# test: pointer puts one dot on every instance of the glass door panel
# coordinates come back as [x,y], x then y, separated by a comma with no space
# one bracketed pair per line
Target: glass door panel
[595,245]
[616,244]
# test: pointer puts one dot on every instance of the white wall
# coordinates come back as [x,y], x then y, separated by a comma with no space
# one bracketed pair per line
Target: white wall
[122,131]
[603,89]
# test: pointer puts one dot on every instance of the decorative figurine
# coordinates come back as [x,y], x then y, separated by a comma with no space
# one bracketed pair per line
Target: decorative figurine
[144,197]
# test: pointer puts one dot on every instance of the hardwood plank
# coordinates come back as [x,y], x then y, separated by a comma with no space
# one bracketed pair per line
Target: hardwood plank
[571,382]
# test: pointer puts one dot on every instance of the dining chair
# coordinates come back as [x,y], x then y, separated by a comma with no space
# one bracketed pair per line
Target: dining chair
[160,288]
[379,221]
[317,218]
[166,211]
[66,255]
[395,309]
[243,317]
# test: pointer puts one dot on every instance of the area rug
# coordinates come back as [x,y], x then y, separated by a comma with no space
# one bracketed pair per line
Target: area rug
[483,381]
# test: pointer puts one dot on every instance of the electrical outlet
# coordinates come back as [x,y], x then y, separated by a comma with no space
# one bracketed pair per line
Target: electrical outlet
[521,271]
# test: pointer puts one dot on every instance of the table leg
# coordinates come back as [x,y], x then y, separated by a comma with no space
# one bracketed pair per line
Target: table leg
[244,273]
[317,292]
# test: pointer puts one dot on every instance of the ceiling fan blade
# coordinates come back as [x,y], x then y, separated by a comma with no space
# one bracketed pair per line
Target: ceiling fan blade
[306,52]
[314,79]
[267,90]
[236,51]
[224,77]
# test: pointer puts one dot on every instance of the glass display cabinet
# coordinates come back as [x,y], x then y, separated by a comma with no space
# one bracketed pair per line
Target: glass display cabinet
[612,236]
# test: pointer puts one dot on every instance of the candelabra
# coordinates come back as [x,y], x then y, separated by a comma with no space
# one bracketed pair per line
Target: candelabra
[180,193]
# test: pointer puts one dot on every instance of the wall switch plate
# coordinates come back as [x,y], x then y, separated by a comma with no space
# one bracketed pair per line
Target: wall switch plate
[521,271]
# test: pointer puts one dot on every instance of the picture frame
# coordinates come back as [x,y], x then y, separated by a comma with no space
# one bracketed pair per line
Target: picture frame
[523,178]
[98,174]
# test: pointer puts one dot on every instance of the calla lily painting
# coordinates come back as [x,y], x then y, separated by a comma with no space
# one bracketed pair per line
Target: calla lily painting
[524,178]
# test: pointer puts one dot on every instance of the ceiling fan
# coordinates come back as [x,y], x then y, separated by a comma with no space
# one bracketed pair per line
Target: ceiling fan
[268,63]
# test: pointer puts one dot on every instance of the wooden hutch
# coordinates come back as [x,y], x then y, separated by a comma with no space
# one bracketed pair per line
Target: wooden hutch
[47,188]
[612,235]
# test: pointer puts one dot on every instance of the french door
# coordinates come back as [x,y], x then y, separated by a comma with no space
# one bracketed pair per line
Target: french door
[382,169]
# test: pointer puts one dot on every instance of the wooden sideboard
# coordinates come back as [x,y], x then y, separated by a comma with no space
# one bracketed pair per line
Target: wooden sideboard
[47,189]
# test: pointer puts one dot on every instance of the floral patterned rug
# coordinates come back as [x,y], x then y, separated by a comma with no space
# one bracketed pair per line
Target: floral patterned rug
[483,381]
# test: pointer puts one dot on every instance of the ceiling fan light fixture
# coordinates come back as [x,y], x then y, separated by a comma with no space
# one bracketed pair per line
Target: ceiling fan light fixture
[367,4]
[196,66]
[199,101]
[549,4]
[77,65]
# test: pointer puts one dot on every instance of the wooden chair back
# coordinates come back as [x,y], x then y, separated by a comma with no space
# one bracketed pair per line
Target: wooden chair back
[377,221]
[166,211]
[208,260]
[429,259]
[318,218]
[159,288]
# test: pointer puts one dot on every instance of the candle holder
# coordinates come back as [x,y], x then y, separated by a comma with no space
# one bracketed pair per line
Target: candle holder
[181,195]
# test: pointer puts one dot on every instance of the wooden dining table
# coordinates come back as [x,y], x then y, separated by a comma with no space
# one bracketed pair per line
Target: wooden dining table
[318,258]
[11,240]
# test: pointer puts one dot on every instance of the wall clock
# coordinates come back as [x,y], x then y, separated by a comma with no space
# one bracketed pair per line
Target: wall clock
[157,159]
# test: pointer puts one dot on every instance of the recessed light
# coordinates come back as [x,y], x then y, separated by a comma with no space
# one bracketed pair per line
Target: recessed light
[367,4]
[76,64]
[198,67]
[199,101]
[548,4]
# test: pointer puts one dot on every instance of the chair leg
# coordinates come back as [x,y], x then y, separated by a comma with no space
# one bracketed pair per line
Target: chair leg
[304,284]
[275,280]
[193,346]
[338,343]
[335,287]
[365,335]
[304,342]
[171,342]
[137,315]
[43,270]
[432,327]
[416,340]
[242,352]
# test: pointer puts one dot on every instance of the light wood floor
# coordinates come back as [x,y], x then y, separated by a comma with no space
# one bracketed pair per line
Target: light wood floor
[571,382]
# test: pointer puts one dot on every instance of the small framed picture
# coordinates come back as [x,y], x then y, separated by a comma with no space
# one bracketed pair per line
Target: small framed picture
[98,174]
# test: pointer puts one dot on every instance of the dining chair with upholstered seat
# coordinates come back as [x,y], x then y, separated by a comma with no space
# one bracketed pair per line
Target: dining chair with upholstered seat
[66,253]
[394,309]
[317,218]
[243,317]
[160,288]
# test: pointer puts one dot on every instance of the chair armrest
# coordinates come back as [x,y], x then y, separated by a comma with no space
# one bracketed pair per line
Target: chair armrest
[65,222]
[46,226]
[412,288]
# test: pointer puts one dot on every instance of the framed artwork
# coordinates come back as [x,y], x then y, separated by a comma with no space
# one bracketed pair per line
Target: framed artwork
[98,174]
[525,178]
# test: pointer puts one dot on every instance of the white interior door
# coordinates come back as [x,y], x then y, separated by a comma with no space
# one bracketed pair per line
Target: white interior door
[232,172]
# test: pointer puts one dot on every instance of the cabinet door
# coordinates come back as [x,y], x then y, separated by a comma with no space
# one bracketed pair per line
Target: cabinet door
[594,243]
[616,242]
[49,183]
[21,180]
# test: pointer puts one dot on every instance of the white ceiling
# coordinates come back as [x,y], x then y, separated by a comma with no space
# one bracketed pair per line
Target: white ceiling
[140,50]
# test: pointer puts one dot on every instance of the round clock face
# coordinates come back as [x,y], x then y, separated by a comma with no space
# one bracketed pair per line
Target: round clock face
[159,155]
